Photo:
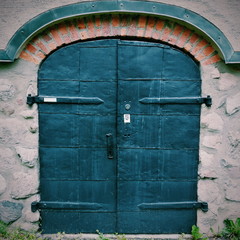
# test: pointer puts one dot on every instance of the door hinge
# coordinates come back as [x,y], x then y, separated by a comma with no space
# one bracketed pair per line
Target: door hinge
[178,100]
[70,100]
[65,205]
[174,205]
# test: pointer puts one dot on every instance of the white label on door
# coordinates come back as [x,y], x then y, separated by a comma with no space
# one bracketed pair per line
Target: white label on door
[127,118]
[46,99]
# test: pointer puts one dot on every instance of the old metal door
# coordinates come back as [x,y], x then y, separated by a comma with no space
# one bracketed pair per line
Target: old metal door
[119,134]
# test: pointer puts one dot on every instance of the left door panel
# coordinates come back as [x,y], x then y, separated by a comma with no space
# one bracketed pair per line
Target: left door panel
[78,180]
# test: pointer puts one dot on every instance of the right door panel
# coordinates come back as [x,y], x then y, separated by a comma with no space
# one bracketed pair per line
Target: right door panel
[158,148]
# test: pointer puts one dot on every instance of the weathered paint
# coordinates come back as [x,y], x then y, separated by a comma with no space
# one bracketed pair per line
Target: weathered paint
[153,155]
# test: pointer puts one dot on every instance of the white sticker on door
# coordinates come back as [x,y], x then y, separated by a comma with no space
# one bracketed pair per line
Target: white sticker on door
[127,118]
[48,99]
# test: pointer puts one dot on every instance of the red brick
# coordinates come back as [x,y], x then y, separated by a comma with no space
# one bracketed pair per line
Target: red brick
[200,56]
[123,32]
[183,38]
[172,40]
[124,21]
[115,31]
[52,45]
[40,55]
[84,35]
[208,50]
[28,57]
[91,28]
[81,24]
[91,33]
[62,28]
[132,30]
[47,38]
[156,35]
[150,27]
[97,21]
[194,38]
[140,32]
[166,33]
[159,25]
[67,39]
[43,47]
[98,32]
[74,32]
[148,33]
[205,53]
[177,30]
[142,22]
[90,24]
[106,28]
[151,22]
[31,48]
[188,47]
[56,37]
[198,47]
[211,60]
[115,21]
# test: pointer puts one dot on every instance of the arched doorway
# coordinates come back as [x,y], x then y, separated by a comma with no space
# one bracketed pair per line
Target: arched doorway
[119,138]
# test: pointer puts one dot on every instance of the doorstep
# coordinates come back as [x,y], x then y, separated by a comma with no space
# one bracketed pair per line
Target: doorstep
[113,237]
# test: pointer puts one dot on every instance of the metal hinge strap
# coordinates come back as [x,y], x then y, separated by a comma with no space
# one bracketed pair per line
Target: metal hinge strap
[178,100]
[174,205]
[77,100]
[64,205]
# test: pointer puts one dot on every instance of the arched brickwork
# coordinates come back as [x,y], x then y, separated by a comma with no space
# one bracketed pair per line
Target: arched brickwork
[119,25]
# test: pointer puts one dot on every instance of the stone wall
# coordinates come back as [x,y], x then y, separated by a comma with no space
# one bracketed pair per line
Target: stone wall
[19,167]
[219,167]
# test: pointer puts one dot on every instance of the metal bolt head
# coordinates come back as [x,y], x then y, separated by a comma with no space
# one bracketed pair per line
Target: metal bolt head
[127,106]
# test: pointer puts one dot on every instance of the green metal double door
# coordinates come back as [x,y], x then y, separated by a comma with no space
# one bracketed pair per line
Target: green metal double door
[119,136]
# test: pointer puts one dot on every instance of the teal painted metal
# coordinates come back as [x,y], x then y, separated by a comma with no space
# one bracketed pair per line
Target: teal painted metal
[122,165]
[118,6]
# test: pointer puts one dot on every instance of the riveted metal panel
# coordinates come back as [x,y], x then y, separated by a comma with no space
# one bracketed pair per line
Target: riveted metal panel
[78,181]
[119,138]
[159,141]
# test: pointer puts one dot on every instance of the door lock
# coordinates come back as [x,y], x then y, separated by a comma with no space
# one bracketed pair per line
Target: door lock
[127,106]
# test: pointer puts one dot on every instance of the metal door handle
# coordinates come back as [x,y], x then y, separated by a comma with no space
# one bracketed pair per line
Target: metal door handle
[109,145]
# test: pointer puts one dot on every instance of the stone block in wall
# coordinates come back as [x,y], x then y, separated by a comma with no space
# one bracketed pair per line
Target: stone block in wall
[30,113]
[207,167]
[234,172]
[3,184]
[234,150]
[8,161]
[7,90]
[27,156]
[25,184]
[232,191]
[10,211]
[215,74]
[6,108]
[212,141]
[212,121]
[233,104]
[227,81]
[208,191]
[206,221]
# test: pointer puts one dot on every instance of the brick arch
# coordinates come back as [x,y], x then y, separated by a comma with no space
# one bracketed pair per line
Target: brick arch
[119,25]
